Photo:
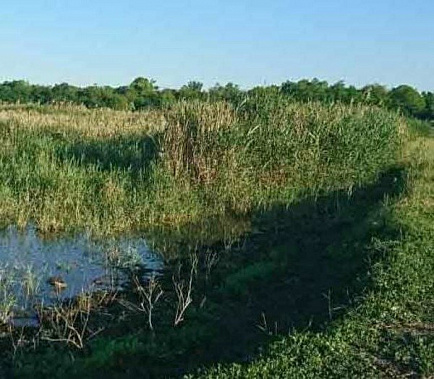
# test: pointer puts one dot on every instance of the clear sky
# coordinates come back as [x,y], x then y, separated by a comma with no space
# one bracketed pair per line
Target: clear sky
[247,42]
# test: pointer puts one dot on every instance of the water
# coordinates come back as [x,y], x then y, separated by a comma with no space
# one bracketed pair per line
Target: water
[28,263]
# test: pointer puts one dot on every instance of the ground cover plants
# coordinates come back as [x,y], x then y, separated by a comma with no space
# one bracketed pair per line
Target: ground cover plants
[297,238]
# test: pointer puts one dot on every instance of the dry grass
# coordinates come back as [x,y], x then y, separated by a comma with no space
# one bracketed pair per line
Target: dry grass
[93,123]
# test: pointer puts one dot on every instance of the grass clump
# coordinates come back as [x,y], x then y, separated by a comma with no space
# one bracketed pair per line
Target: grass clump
[192,136]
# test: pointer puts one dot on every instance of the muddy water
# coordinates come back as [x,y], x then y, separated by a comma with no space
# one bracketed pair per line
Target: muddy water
[29,263]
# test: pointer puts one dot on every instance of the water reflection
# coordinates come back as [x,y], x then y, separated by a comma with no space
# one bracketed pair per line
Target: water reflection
[30,266]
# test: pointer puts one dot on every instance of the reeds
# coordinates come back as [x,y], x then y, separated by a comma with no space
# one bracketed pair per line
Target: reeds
[68,168]
[190,142]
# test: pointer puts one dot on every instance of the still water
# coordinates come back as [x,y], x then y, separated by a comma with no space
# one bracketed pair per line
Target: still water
[29,264]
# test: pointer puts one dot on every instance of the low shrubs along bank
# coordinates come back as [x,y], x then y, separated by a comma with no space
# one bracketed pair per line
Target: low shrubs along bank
[113,172]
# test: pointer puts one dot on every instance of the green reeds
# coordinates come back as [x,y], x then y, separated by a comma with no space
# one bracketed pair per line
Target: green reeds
[108,172]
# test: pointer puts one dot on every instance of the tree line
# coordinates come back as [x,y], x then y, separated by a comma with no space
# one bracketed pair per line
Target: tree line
[144,93]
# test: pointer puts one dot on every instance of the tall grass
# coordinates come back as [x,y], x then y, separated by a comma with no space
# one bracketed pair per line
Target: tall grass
[69,169]
[191,140]
[390,331]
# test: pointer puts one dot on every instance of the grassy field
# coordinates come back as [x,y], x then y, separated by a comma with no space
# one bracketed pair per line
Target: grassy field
[304,231]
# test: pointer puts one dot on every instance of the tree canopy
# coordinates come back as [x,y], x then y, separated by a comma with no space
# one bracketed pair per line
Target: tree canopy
[143,93]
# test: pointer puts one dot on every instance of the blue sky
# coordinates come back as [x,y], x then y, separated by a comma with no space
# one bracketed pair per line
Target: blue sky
[246,42]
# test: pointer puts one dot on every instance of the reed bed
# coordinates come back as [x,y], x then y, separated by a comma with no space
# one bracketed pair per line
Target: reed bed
[67,168]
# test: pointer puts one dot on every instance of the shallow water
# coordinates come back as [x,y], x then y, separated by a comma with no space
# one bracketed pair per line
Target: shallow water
[27,262]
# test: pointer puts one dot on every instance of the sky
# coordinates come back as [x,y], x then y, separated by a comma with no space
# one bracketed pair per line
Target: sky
[111,42]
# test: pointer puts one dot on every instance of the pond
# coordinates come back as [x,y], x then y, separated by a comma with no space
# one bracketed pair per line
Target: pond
[35,270]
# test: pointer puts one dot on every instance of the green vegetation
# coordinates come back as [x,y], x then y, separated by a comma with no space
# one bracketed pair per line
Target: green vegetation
[115,172]
[144,93]
[297,236]
[389,331]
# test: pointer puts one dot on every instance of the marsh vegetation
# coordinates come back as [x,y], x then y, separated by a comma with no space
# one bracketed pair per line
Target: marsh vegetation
[296,239]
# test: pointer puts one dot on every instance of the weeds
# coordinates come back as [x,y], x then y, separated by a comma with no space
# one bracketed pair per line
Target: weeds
[68,322]
[149,297]
[184,289]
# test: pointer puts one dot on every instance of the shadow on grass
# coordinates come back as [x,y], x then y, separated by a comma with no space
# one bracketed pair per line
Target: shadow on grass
[124,152]
[300,267]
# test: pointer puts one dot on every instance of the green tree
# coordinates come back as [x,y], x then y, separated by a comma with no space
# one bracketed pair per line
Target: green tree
[143,85]
[142,93]
[167,97]
[375,94]
[16,91]
[408,99]
[65,92]
[193,90]
[429,105]
[230,92]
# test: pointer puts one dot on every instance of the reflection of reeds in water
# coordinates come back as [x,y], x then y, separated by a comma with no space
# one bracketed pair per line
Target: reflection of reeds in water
[128,258]
[20,289]
[7,298]
[23,286]
[31,282]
